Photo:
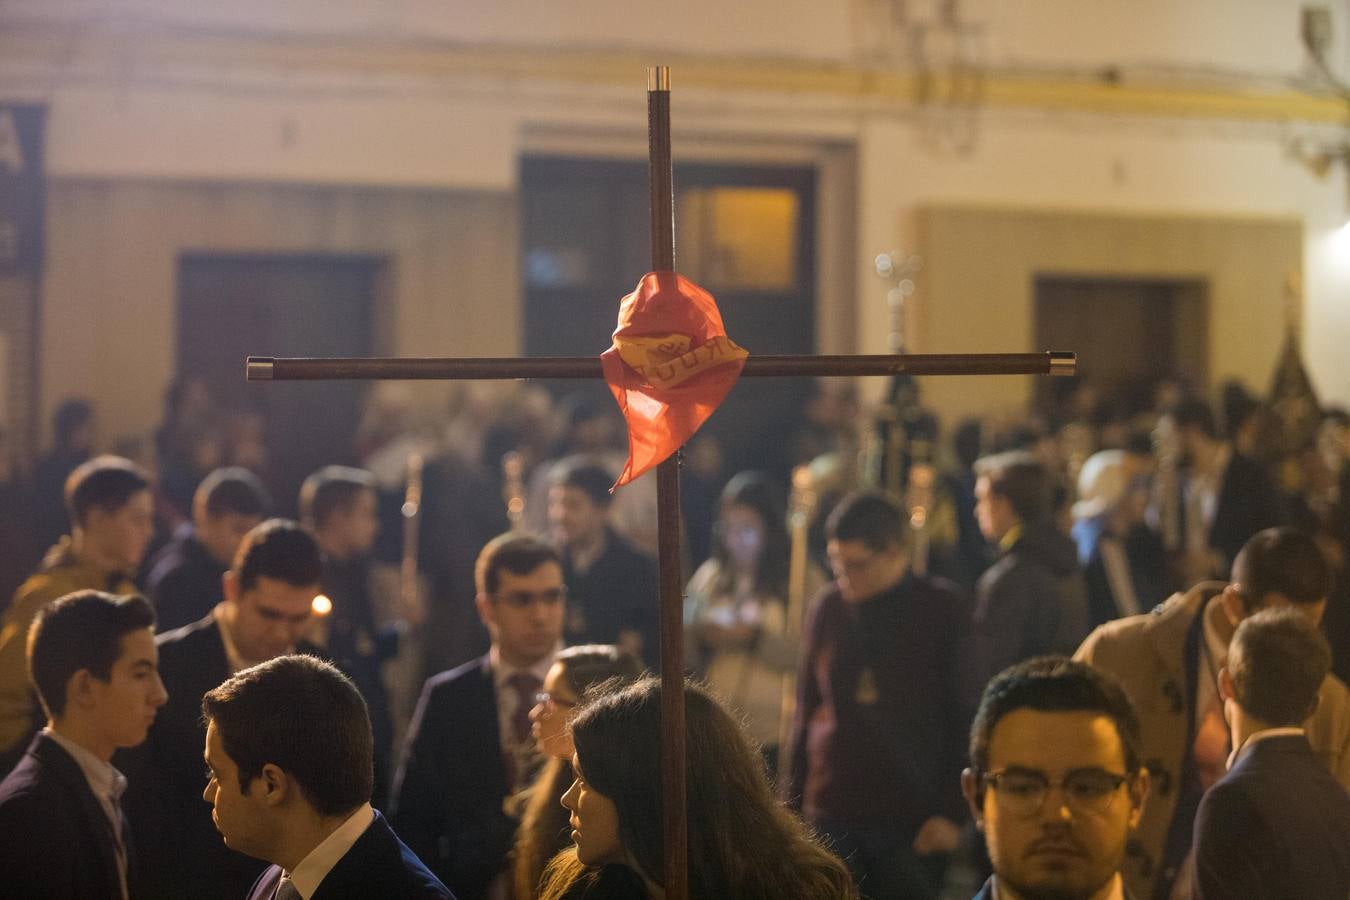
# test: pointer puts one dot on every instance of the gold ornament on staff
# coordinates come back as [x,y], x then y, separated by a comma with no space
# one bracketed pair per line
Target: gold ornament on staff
[801,508]
[409,588]
[513,487]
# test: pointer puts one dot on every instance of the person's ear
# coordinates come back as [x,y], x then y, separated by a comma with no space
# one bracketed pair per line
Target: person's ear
[1315,611]
[1227,691]
[1233,607]
[1139,789]
[486,613]
[230,584]
[970,789]
[80,690]
[275,785]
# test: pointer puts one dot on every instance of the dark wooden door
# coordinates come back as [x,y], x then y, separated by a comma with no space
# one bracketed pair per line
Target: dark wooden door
[230,307]
[1127,332]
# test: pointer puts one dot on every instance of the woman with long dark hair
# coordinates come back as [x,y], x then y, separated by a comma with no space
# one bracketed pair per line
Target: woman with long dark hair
[543,827]
[743,843]
[736,606]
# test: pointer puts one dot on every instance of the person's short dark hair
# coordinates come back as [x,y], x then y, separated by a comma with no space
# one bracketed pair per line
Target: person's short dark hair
[1139,443]
[1053,684]
[82,630]
[1278,660]
[72,415]
[1238,407]
[105,482]
[306,718]
[233,490]
[1195,412]
[278,549]
[1282,561]
[587,476]
[330,490]
[1020,477]
[868,517]
[519,554]
[967,441]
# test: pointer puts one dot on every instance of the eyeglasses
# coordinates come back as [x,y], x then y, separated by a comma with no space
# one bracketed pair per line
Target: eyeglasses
[1022,792]
[526,599]
[548,699]
[839,565]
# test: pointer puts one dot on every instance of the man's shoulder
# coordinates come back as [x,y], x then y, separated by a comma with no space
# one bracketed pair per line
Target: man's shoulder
[620,551]
[380,864]
[44,782]
[194,653]
[180,640]
[464,679]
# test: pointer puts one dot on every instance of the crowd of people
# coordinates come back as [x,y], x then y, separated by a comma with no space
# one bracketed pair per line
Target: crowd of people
[422,673]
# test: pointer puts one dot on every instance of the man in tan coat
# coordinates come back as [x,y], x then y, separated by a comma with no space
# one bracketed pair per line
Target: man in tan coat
[111,514]
[1168,662]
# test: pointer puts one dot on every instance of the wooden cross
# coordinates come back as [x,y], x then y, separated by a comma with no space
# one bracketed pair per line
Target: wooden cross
[668,475]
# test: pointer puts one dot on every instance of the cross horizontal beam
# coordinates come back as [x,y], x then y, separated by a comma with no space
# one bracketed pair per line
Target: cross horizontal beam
[266,368]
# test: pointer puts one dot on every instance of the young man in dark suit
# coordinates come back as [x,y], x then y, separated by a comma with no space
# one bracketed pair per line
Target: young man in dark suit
[92,658]
[267,611]
[1278,824]
[339,506]
[469,745]
[611,582]
[289,752]
[185,575]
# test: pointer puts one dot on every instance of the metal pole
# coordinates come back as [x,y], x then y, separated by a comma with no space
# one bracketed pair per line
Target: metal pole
[266,368]
[675,879]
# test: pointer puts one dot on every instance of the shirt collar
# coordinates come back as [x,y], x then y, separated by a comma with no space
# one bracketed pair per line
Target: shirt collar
[501,672]
[1116,892]
[237,661]
[314,868]
[1257,736]
[1010,537]
[103,777]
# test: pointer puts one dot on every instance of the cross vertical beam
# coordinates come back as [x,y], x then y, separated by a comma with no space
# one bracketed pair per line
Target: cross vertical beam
[673,774]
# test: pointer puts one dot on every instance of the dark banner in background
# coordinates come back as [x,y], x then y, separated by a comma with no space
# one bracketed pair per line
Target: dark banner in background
[22,188]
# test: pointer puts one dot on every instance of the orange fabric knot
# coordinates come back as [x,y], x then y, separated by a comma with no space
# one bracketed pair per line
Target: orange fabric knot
[670,366]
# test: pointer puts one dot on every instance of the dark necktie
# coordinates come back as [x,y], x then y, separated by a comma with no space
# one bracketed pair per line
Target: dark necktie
[526,685]
[286,890]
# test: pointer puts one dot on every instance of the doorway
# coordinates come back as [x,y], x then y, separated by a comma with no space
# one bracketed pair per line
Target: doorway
[232,306]
[745,233]
[1129,333]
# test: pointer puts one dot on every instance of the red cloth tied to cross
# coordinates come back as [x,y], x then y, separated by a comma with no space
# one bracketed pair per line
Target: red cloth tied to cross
[670,367]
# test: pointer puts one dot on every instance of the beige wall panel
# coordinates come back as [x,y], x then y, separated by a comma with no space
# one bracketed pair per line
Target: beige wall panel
[110,295]
[982,264]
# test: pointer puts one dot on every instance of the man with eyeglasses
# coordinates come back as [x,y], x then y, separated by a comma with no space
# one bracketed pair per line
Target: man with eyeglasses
[469,746]
[877,742]
[1055,781]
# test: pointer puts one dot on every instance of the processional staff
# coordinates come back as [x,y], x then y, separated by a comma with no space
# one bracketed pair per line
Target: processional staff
[661,184]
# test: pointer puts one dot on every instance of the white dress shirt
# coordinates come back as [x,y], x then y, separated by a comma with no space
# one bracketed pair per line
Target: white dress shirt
[1117,891]
[314,868]
[108,784]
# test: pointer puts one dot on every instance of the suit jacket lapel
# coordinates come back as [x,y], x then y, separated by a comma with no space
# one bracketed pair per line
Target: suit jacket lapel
[59,761]
[487,700]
